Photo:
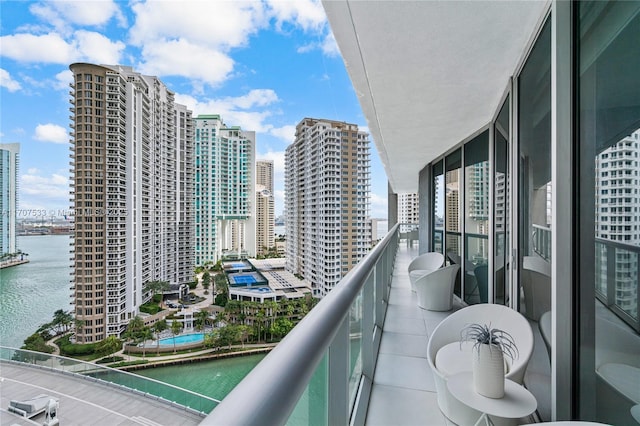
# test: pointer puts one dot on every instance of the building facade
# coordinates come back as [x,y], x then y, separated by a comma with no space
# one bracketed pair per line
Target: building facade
[9,167]
[224,190]
[131,193]
[408,209]
[327,190]
[265,215]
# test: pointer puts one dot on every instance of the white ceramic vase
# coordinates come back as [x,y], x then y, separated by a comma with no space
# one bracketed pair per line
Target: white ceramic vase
[488,371]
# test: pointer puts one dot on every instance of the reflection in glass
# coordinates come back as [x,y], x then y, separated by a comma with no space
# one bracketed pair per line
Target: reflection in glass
[501,205]
[438,207]
[534,195]
[609,140]
[535,177]
[453,207]
[476,160]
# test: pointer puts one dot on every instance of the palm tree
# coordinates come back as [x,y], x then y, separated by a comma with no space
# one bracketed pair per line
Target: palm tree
[156,287]
[108,346]
[201,318]
[176,328]
[145,334]
[159,327]
[134,328]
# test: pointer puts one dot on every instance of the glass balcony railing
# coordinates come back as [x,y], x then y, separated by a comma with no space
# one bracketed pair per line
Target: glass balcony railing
[322,372]
[617,279]
[172,395]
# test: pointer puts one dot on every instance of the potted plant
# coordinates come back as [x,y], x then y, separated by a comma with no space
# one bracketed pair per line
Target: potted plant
[490,347]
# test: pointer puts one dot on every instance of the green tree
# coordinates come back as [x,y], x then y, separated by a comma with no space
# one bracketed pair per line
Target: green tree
[201,318]
[36,343]
[62,321]
[280,327]
[176,328]
[206,281]
[158,328]
[157,286]
[108,346]
[145,334]
[228,335]
[134,328]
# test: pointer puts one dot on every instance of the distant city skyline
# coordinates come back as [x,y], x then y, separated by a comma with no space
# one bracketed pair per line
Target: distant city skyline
[261,65]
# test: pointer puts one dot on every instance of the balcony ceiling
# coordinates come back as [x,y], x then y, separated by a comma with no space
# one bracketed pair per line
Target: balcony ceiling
[429,73]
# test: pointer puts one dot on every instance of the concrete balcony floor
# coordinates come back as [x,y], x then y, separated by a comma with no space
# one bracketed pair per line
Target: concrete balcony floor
[403,391]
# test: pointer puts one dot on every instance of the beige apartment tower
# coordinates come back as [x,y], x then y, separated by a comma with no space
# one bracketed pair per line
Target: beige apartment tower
[265,216]
[327,197]
[131,192]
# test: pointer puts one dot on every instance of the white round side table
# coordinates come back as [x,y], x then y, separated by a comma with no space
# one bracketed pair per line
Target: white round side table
[517,401]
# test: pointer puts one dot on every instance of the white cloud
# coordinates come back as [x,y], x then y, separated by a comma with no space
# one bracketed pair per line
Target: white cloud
[286,133]
[306,14]
[193,39]
[216,24]
[63,78]
[47,48]
[180,57]
[94,47]
[50,187]
[53,48]
[231,109]
[330,46]
[51,133]
[8,82]
[378,206]
[84,12]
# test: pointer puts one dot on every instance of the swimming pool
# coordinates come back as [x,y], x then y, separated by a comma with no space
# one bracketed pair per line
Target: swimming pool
[182,339]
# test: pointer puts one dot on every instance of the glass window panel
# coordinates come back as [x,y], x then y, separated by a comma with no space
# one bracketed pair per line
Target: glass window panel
[438,207]
[535,178]
[609,141]
[501,205]
[452,209]
[476,221]
[534,196]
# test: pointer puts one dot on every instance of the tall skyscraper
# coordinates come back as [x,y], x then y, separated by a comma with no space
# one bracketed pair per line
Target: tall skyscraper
[407,209]
[132,194]
[9,163]
[265,216]
[224,190]
[327,186]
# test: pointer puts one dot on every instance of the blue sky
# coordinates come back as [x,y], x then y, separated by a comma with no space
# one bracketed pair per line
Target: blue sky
[261,65]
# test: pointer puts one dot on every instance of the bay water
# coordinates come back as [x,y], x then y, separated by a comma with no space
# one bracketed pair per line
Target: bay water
[30,293]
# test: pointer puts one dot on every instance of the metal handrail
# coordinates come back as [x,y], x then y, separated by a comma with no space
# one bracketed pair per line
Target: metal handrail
[270,392]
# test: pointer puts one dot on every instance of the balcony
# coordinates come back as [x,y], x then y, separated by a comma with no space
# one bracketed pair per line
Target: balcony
[356,358]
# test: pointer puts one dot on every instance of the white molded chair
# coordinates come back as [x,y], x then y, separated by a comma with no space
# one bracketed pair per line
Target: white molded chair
[424,264]
[536,286]
[448,332]
[435,289]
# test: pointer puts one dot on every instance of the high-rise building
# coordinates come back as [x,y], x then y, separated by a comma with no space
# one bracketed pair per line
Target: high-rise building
[9,162]
[327,186]
[224,190]
[131,191]
[617,212]
[407,209]
[265,215]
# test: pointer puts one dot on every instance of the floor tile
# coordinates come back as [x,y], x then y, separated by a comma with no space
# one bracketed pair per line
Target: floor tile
[403,344]
[404,371]
[391,406]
